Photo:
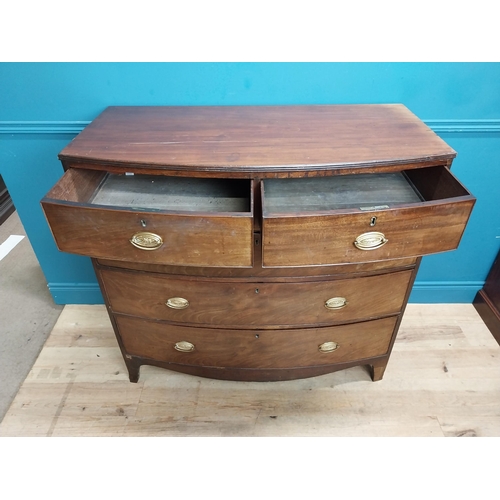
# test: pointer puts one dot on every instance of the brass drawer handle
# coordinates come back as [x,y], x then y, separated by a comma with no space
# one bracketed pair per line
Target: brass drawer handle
[336,303]
[184,346]
[328,347]
[177,303]
[370,241]
[146,241]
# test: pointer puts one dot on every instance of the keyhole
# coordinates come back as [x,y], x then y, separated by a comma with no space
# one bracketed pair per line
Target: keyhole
[143,223]
[373,220]
[256,290]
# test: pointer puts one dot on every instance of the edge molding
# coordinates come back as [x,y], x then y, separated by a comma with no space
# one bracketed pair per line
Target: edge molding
[76,126]
[42,127]
[464,126]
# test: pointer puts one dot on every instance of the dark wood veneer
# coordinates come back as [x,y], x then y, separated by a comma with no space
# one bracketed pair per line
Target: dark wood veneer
[254,281]
[223,348]
[237,304]
[258,138]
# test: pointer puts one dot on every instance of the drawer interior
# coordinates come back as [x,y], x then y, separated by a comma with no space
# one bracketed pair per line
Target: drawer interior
[360,191]
[174,193]
[154,192]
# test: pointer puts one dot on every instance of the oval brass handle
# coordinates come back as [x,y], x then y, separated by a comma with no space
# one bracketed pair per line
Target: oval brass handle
[184,346]
[177,303]
[370,241]
[336,303]
[328,347]
[146,241]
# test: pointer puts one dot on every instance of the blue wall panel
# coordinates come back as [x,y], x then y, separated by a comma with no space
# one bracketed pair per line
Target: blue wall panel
[43,106]
[79,91]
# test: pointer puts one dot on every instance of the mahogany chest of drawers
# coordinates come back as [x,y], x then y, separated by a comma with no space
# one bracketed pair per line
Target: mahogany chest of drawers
[257,243]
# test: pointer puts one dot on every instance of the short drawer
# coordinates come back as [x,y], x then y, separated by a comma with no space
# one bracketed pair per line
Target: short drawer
[153,219]
[255,348]
[254,305]
[362,218]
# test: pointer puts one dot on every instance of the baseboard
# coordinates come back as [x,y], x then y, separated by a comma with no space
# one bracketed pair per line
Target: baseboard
[489,313]
[445,292]
[76,293]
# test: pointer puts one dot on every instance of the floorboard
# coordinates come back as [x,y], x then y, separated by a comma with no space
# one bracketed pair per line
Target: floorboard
[443,379]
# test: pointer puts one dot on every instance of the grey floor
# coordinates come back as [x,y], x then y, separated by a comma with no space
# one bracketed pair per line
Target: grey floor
[27,312]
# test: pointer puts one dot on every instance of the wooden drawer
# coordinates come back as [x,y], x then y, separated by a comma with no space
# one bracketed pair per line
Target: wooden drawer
[255,348]
[321,221]
[153,219]
[254,305]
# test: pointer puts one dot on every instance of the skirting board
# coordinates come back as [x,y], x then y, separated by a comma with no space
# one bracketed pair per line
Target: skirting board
[445,292]
[424,292]
[76,293]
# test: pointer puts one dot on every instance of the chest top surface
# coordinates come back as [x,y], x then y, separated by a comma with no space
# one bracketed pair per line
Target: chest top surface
[257,139]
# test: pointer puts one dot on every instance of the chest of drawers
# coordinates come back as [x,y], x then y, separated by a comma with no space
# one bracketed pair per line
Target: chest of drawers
[257,243]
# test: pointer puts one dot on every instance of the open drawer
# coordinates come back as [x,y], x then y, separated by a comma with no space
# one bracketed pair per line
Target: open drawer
[362,217]
[152,219]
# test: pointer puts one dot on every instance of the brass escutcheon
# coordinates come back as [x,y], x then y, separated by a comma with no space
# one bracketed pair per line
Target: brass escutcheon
[177,303]
[370,241]
[184,346]
[146,241]
[336,303]
[328,347]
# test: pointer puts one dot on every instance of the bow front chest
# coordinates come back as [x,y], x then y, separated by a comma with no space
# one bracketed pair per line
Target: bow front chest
[257,243]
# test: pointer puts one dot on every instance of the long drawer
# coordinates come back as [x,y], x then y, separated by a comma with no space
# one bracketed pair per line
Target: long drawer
[238,304]
[152,219]
[223,348]
[363,217]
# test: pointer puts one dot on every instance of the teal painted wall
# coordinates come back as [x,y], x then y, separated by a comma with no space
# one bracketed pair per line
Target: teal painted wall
[44,105]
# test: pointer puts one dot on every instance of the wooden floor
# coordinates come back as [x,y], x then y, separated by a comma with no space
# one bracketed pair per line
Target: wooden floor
[443,379]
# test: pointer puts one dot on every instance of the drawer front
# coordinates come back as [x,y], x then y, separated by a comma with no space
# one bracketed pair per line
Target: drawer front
[362,218]
[186,240]
[254,305]
[330,239]
[141,235]
[255,348]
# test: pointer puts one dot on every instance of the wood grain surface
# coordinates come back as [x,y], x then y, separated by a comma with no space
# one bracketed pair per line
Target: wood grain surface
[258,273]
[443,380]
[254,305]
[258,139]
[298,228]
[319,239]
[313,224]
[196,240]
[225,348]
[198,237]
